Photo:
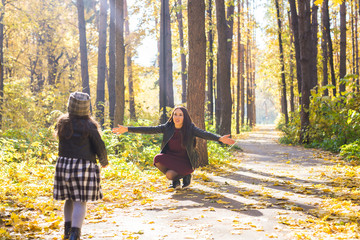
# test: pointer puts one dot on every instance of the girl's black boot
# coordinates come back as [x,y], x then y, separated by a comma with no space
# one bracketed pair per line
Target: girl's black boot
[67,228]
[75,233]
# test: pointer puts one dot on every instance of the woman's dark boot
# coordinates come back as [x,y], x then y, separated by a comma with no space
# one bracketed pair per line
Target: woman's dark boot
[67,228]
[75,233]
[175,184]
[186,181]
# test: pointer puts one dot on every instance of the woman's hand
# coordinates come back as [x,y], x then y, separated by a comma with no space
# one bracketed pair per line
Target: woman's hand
[227,140]
[120,129]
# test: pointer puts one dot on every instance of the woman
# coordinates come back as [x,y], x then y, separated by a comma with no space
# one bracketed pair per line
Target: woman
[178,157]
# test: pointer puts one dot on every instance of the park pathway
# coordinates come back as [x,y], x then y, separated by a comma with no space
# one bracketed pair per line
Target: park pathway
[269,184]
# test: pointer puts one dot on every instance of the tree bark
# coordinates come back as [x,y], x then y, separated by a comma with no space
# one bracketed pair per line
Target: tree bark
[342,47]
[291,70]
[305,52]
[2,61]
[314,30]
[100,87]
[295,29]
[166,79]
[179,16]
[129,65]
[197,70]
[119,65]
[224,56]
[83,48]
[324,47]
[239,73]
[330,46]
[210,70]
[284,109]
[112,63]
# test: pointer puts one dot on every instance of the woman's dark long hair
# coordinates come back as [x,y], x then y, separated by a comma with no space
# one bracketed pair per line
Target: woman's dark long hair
[185,129]
[64,125]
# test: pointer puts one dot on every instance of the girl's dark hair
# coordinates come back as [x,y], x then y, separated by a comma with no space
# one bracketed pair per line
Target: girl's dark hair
[185,129]
[64,125]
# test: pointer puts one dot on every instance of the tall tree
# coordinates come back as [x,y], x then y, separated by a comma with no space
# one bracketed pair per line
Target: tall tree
[291,68]
[330,46]
[305,52]
[342,47]
[129,65]
[179,17]
[120,63]
[2,9]
[197,69]
[284,109]
[111,78]
[324,47]
[314,30]
[240,71]
[83,48]
[210,69]
[166,79]
[295,29]
[223,71]
[242,77]
[100,88]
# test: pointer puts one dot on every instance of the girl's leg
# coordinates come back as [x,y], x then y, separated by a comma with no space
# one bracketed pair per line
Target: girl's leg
[78,214]
[68,210]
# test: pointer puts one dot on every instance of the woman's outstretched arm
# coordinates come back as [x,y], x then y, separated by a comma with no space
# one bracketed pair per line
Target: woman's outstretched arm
[120,129]
[227,140]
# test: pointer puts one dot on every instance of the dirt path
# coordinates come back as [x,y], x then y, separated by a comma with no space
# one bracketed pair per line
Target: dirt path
[271,183]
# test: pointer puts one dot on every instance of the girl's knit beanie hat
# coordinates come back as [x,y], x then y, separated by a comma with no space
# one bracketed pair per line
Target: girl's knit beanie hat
[79,104]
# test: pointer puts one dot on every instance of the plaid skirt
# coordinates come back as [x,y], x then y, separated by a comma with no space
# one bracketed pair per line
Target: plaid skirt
[77,180]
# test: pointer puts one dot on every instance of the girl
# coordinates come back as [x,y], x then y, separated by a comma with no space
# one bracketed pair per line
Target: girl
[77,175]
[178,156]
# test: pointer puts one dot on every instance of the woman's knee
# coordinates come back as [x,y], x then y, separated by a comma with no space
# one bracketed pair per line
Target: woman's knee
[171,175]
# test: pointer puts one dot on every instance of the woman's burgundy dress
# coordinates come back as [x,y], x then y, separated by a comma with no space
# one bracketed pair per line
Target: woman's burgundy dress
[175,158]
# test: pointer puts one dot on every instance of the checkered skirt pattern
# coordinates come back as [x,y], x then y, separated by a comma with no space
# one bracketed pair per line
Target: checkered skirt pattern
[77,180]
[79,104]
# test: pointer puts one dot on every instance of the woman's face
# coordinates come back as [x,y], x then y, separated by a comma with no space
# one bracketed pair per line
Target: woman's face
[178,118]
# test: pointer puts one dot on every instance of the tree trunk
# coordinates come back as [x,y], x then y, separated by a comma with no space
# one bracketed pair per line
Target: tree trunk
[100,87]
[111,78]
[83,48]
[119,63]
[314,30]
[324,47]
[295,29]
[342,47]
[291,70]
[329,42]
[239,73]
[179,16]
[166,79]
[242,77]
[210,70]
[284,109]
[306,55]
[357,46]
[197,69]
[2,61]
[224,29]
[129,65]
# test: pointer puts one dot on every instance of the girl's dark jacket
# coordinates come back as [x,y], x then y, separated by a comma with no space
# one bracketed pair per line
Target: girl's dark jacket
[85,146]
[168,129]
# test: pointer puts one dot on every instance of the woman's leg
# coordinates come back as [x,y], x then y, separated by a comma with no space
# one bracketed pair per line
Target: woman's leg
[161,167]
